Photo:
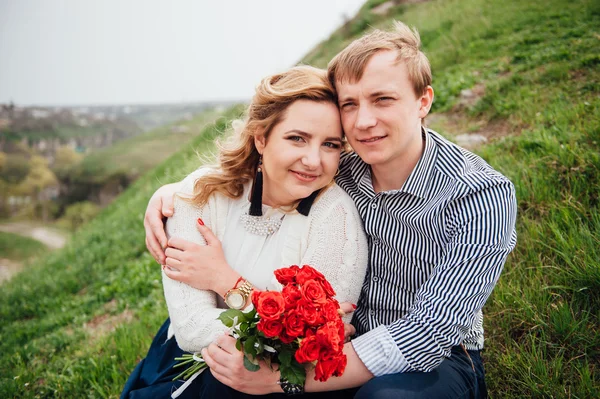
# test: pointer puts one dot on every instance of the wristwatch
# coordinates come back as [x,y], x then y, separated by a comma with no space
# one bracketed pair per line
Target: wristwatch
[237,297]
[290,389]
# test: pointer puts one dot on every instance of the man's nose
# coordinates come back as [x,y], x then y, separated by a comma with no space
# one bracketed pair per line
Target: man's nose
[365,118]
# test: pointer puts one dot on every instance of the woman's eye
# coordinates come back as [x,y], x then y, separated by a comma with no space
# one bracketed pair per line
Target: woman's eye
[332,145]
[295,138]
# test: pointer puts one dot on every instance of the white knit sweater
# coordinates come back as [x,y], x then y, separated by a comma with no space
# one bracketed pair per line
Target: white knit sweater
[330,238]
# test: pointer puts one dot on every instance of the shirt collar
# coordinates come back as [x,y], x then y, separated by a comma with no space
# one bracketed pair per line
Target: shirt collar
[361,174]
[419,179]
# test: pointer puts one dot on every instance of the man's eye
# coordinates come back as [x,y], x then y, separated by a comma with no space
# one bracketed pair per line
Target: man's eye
[347,105]
[384,99]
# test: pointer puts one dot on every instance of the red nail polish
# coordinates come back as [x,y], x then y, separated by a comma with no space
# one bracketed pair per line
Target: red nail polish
[354,306]
[200,222]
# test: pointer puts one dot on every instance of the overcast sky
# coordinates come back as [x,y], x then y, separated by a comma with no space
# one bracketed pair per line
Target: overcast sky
[71,52]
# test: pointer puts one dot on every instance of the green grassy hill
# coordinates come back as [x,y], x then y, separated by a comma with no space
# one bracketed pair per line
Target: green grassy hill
[77,323]
[16,247]
[139,154]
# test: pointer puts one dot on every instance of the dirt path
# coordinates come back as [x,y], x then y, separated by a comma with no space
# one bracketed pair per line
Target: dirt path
[8,268]
[47,236]
[52,238]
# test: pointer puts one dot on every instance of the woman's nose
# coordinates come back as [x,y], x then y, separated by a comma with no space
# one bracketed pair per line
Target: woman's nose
[311,159]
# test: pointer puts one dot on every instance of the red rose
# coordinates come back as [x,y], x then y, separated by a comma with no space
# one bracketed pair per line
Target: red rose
[294,324]
[270,305]
[325,369]
[331,335]
[308,311]
[287,275]
[335,365]
[291,295]
[329,311]
[308,351]
[327,288]
[254,298]
[341,366]
[286,339]
[312,291]
[308,273]
[271,328]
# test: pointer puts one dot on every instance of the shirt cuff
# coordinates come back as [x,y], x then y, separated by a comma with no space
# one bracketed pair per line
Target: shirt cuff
[379,353]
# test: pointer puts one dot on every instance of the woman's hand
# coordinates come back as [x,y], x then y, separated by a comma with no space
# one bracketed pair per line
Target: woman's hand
[227,365]
[349,329]
[159,207]
[201,266]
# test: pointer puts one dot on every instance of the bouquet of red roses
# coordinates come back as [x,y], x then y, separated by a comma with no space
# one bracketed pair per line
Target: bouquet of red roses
[298,326]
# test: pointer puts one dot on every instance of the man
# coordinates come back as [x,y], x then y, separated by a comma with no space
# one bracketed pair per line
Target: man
[440,223]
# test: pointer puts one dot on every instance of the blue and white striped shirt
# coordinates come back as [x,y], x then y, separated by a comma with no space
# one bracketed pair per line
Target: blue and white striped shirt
[437,247]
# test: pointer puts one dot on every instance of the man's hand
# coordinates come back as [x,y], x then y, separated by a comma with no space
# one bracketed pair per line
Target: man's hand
[201,266]
[227,365]
[159,207]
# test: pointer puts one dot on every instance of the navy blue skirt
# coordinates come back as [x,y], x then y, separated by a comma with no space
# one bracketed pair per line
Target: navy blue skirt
[153,376]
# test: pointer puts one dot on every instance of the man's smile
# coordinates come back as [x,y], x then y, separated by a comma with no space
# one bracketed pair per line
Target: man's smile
[372,140]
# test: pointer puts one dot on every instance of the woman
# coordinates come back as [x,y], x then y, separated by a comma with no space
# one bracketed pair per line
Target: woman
[272,203]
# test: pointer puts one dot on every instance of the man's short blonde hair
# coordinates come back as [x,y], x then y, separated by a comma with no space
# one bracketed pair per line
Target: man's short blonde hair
[349,65]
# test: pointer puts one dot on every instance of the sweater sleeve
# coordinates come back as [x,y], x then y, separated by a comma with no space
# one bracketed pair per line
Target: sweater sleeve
[193,312]
[337,245]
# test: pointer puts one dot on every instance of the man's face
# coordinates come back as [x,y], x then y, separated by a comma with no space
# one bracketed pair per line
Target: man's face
[381,115]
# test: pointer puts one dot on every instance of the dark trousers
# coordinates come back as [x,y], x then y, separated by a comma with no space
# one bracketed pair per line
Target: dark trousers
[456,377]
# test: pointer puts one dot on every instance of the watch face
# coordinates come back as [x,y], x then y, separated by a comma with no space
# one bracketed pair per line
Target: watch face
[235,300]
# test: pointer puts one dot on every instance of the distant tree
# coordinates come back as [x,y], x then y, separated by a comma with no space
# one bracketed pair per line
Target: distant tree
[14,168]
[76,215]
[66,159]
[41,183]
[4,193]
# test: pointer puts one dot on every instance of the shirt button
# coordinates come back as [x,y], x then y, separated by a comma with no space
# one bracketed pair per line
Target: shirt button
[374,205]
[372,312]
[376,241]
[375,279]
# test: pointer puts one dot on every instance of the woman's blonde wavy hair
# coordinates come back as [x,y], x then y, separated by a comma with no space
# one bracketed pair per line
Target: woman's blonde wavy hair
[238,156]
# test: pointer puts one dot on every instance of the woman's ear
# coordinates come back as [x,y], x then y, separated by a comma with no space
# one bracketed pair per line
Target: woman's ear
[260,142]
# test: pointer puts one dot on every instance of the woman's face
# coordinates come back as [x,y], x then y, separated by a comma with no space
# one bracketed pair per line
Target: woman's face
[302,152]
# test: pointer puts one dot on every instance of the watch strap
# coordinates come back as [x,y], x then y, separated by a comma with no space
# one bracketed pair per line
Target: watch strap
[289,388]
[246,288]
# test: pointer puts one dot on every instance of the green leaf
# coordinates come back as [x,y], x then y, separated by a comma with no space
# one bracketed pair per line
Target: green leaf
[261,348]
[285,358]
[249,365]
[251,315]
[228,316]
[249,346]
[296,373]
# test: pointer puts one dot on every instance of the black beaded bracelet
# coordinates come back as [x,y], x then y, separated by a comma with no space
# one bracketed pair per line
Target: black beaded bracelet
[289,388]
